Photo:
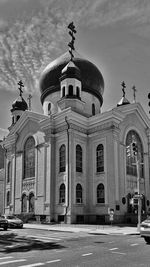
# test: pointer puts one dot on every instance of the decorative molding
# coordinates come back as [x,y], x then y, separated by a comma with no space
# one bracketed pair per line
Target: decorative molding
[28,184]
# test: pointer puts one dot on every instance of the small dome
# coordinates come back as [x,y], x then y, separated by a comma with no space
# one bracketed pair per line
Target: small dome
[19,104]
[123,101]
[91,78]
[70,71]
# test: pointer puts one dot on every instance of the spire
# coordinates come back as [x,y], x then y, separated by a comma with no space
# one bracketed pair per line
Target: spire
[123,100]
[72,31]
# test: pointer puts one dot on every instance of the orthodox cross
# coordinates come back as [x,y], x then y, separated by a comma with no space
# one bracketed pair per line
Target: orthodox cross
[134,93]
[72,31]
[20,83]
[123,88]
[29,100]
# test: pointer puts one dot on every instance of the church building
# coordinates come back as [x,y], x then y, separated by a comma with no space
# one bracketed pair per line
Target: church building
[74,163]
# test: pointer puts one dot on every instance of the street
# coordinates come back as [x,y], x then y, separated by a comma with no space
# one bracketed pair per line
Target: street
[32,247]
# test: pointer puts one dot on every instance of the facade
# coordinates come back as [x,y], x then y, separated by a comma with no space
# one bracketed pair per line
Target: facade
[71,163]
[2,179]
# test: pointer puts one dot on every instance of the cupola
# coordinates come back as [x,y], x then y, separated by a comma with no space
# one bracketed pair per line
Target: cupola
[19,105]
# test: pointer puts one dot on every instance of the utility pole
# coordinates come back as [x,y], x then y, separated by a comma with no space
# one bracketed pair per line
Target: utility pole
[138,192]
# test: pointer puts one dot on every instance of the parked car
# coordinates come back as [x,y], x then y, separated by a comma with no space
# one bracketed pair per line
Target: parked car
[3,223]
[13,221]
[145,230]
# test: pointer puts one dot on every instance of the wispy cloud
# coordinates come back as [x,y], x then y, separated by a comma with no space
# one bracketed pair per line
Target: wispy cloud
[28,45]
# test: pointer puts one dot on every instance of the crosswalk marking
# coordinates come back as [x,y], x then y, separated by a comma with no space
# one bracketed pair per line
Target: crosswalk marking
[87,254]
[33,264]
[13,261]
[135,244]
[44,237]
[113,248]
[53,261]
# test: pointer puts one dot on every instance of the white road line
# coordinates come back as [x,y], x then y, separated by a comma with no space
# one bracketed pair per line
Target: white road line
[44,237]
[87,254]
[5,258]
[33,264]
[111,242]
[113,248]
[135,244]
[121,253]
[6,262]
[53,261]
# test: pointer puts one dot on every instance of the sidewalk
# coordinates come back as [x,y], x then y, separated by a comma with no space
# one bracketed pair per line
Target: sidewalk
[91,229]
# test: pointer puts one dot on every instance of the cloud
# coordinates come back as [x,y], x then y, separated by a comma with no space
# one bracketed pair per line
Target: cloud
[28,45]
[3,133]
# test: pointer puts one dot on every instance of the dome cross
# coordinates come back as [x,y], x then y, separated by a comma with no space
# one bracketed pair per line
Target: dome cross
[72,31]
[20,83]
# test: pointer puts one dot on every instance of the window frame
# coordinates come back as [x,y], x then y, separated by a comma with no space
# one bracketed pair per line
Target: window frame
[79,158]
[29,158]
[100,158]
[62,158]
[62,194]
[79,194]
[100,193]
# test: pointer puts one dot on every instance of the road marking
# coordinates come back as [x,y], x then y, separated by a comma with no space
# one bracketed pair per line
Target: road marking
[87,254]
[6,262]
[53,261]
[113,248]
[111,242]
[44,237]
[4,258]
[33,264]
[135,244]
[121,253]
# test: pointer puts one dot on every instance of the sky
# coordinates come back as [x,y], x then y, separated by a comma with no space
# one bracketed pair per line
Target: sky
[113,34]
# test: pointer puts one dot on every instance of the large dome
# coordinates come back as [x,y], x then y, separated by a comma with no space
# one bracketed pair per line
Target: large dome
[91,78]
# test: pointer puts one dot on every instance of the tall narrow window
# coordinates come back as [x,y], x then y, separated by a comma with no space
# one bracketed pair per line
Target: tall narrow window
[79,194]
[78,158]
[31,202]
[29,158]
[100,158]
[49,108]
[62,192]
[78,92]
[70,90]
[63,91]
[132,136]
[62,158]
[9,172]
[100,194]
[24,203]
[93,109]
[8,198]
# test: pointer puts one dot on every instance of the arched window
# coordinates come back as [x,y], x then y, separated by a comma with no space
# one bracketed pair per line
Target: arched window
[100,194]
[78,158]
[63,91]
[93,109]
[31,202]
[70,90]
[8,198]
[79,194]
[100,158]
[24,203]
[62,193]
[9,172]
[29,158]
[62,158]
[78,92]
[49,108]
[132,136]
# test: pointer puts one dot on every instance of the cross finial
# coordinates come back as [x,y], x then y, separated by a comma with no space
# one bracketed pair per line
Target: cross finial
[20,83]
[29,100]
[123,88]
[134,93]
[72,31]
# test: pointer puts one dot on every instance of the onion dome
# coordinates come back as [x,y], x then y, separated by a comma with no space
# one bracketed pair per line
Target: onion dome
[19,104]
[90,76]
